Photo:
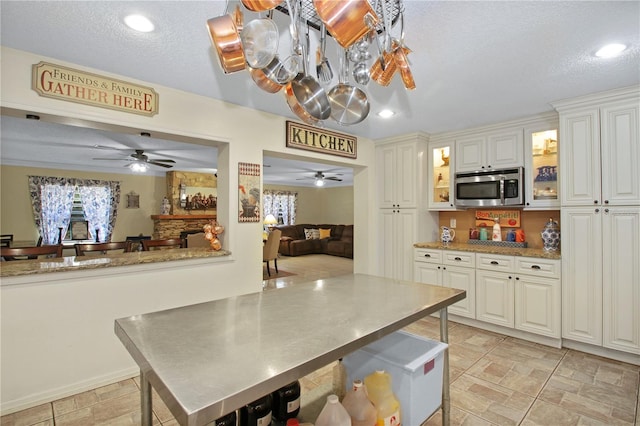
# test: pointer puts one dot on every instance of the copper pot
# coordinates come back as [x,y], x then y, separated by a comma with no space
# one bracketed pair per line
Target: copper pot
[346,20]
[226,40]
[296,107]
[261,76]
[260,5]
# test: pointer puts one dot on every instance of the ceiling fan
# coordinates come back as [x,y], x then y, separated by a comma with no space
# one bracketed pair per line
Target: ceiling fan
[139,161]
[320,178]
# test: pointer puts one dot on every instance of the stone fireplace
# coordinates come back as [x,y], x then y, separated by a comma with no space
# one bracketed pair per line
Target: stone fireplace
[183,218]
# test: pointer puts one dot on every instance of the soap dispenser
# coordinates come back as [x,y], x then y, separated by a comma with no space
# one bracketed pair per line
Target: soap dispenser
[497,232]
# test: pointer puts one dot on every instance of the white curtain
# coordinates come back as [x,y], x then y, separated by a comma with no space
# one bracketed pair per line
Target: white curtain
[281,204]
[57,202]
[96,204]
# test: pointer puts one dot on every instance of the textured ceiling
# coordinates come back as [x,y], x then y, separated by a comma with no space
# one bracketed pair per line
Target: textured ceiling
[474,63]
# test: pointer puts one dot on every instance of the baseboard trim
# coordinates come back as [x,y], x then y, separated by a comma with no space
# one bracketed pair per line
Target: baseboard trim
[511,332]
[34,400]
[601,351]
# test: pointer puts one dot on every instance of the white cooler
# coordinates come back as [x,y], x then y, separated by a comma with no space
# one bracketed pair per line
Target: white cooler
[415,364]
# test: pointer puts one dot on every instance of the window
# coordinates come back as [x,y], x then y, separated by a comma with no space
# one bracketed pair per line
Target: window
[281,204]
[62,206]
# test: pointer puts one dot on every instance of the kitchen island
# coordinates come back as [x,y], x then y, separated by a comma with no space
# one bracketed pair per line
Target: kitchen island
[209,359]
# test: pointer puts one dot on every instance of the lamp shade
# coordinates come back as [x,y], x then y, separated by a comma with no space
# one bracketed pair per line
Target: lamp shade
[270,220]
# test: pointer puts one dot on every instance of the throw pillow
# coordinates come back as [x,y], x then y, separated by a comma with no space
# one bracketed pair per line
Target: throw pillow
[315,233]
[325,233]
[308,233]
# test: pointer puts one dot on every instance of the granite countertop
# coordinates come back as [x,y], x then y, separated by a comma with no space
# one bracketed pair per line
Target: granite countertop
[507,251]
[18,268]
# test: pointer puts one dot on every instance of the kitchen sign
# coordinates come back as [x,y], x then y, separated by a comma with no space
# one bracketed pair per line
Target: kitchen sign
[507,218]
[66,84]
[311,138]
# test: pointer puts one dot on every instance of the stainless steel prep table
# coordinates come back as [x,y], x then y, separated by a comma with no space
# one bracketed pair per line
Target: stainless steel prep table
[209,359]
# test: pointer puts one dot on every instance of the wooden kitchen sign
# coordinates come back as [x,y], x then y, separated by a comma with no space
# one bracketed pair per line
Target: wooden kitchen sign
[66,84]
[319,140]
[508,218]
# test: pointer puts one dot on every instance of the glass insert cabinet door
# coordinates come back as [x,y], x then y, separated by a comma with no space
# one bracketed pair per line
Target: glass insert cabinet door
[542,171]
[440,176]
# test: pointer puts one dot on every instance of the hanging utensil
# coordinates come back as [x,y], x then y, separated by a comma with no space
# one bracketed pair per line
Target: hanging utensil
[401,59]
[323,68]
[349,104]
[346,20]
[260,42]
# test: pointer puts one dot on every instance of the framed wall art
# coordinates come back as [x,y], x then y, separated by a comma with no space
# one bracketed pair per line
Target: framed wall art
[249,192]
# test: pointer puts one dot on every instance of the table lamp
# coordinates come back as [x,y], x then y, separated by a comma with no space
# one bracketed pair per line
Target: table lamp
[269,221]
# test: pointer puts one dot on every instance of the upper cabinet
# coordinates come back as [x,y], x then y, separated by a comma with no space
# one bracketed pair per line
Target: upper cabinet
[541,165]
[495,150]
[399,174]
[440,175]
[600,149]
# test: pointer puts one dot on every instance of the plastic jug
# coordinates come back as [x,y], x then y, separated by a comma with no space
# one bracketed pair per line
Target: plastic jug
[381,395]
[333,414]
[357,404]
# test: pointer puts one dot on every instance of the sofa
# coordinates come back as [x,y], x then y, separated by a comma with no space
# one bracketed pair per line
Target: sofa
[294,241]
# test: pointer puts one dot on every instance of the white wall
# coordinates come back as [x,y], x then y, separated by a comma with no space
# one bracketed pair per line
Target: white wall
[190,117]
[321,205]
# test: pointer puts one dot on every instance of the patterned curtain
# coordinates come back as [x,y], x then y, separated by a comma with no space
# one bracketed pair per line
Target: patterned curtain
[281,204]
[51,201]
[100,199]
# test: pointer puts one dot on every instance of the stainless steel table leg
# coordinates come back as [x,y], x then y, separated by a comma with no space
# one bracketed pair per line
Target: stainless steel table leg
[145,400]
[444,337]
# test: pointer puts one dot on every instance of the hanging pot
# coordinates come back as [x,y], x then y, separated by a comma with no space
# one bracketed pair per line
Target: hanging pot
[349,104]
[260,5]
[346,20]
[227,42]
[260,42]
[267,78]
[400,53]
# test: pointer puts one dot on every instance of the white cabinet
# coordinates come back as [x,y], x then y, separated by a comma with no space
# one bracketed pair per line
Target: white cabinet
[601,276]
[398,174]
[398,232]
[448,269]
[519,292]
[440,175]
[600,153]
[538,296]
[490,151]
[541,165]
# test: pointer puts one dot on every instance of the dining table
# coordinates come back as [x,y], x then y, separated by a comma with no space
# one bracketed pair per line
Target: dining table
[209,359]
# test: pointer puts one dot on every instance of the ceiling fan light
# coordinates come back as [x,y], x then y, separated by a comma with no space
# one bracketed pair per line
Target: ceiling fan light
[138,167]
[319,182]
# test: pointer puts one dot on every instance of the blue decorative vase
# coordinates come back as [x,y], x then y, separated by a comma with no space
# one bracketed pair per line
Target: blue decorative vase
[551,236]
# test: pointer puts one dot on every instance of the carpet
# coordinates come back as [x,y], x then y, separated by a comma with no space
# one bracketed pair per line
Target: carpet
[280,274]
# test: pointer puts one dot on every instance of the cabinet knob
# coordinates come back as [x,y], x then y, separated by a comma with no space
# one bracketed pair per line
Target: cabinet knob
[457,258]
[427,255]
[595,201]
[438,267]
[517,278]
[493,262]
[535,267]
[528,204]
[597,210]
[606,201]
[489,166]
[606,210]
[509,276]
[444,267]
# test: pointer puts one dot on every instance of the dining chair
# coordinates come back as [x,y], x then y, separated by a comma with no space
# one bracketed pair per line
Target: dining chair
[148,245]
[103,248]
[270,249]
[25,253]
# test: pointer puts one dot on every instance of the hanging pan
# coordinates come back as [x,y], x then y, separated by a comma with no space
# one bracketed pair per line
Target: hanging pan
[223,31]
[349,104]
[346,20]
[260,5]
[260,42]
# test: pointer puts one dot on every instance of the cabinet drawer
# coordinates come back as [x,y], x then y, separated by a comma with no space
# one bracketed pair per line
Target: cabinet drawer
[458,258]
[538,267]
[428,255]
[495,262]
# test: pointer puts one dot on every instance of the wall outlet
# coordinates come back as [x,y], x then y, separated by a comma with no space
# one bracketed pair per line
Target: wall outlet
[452,223]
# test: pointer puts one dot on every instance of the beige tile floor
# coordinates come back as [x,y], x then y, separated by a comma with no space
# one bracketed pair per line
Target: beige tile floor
[495,379]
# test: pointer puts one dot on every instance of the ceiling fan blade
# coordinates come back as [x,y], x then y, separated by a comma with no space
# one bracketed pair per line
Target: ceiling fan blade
[164,160]
[117,159]
[159,164]
[333,178]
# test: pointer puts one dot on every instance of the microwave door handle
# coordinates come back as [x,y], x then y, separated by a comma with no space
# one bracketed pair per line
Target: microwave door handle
[502,190]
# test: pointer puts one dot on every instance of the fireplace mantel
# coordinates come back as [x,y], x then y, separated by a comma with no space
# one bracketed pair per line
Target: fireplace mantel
[182,216]
[172,225]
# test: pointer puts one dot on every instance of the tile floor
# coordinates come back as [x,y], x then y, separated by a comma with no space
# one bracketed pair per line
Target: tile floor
[495,379]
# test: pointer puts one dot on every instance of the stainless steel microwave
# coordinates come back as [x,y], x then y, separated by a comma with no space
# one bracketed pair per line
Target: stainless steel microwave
[490,188]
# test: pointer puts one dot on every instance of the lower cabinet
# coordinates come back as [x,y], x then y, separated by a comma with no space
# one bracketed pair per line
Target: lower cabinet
[523,293]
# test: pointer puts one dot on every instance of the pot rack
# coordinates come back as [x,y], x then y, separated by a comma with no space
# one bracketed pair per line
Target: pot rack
[308,13]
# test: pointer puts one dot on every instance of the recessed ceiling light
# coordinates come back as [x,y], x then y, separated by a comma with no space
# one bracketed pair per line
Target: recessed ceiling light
[610,50]
[386,113]
[139,23]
